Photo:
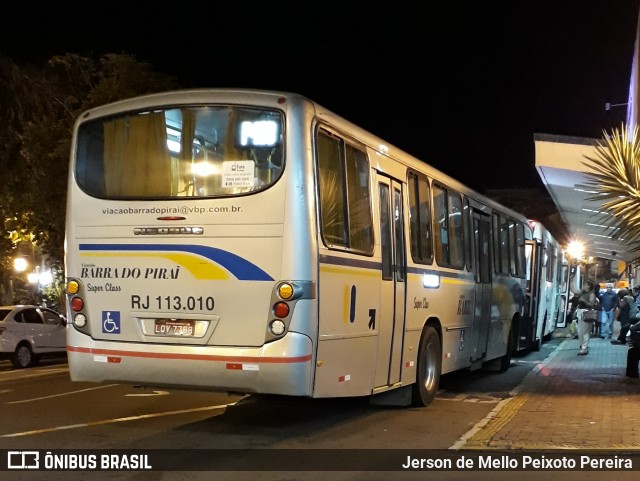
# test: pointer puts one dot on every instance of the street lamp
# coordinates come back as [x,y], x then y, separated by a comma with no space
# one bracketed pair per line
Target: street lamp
[20,264]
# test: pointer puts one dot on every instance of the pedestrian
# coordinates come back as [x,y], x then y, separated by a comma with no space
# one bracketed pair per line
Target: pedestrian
[627,316]
[622,292]
[633,354]
[635,292]
[573,327]
[586,301]
[597,325]
[609,303]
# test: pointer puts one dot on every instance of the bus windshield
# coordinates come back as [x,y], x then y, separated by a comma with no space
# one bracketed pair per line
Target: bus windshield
[194,151]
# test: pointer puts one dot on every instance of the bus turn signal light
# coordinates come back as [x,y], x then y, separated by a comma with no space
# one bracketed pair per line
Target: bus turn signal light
[72,287]
[285,291]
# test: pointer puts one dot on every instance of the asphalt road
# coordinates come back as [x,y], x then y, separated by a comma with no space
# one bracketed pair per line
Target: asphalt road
[43,410]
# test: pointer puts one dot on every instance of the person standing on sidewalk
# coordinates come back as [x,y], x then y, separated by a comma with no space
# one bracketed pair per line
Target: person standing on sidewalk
[597,325]
[635,292]
[586,301]
[627,316]
[633,354]
[609,303]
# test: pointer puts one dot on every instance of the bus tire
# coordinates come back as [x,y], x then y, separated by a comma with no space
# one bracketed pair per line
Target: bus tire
[505,361]
[537,345]
[429,368]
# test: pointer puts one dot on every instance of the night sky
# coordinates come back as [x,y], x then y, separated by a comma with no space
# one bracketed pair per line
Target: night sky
[461,85]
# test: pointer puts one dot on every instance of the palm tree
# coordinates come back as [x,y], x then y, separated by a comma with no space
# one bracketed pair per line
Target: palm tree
[616,181]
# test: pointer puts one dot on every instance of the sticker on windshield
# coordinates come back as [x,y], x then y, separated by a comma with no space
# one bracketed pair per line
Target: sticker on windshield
[238,173]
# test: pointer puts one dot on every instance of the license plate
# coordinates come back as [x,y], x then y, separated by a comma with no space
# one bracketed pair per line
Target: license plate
[174,327]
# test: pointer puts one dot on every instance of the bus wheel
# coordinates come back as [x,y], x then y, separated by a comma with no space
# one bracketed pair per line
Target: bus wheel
[429,368]
[537,345]
[505,361]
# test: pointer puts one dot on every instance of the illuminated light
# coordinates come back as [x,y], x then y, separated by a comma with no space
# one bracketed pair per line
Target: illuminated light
[204,169]
[602,225]
[33,277]
[46,278]
[259,133]
[277,327]
[77,304]
[575,249]
[80,320]
[431,280]
[20,264]
[285,291]
[281,309]
[72,287]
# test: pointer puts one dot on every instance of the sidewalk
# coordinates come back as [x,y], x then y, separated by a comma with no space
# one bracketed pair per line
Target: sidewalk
[568,401]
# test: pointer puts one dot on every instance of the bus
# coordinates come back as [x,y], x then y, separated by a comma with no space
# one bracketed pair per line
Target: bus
[547,287]
[249,241]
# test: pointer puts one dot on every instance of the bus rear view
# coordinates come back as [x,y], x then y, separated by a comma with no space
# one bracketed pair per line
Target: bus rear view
[175,240]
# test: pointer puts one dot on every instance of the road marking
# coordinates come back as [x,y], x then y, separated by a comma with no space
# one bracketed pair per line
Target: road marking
[481,434]
[147,394]
[61,394]
[18,375]
[117,420]
[470,397]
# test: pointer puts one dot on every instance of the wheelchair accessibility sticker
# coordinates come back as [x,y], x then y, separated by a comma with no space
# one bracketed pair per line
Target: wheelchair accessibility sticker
[111,322]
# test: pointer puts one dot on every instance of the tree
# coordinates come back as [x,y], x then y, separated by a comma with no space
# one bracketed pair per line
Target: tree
[616,181]
[39,107]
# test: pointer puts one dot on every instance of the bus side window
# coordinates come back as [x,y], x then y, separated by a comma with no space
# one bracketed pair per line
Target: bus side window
[345,199]
[331,180]
[419,219]
[448,232]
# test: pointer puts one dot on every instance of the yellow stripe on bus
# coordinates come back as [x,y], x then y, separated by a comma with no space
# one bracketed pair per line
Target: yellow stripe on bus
[351,271]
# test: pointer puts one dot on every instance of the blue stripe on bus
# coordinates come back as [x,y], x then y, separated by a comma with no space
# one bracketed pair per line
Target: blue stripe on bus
[241,268]
[343,261]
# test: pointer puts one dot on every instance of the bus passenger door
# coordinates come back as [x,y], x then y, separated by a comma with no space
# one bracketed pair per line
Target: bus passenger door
[483,278]
[392,288]
[528,337]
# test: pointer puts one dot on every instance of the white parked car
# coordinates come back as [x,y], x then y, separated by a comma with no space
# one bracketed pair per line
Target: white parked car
[28,332]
